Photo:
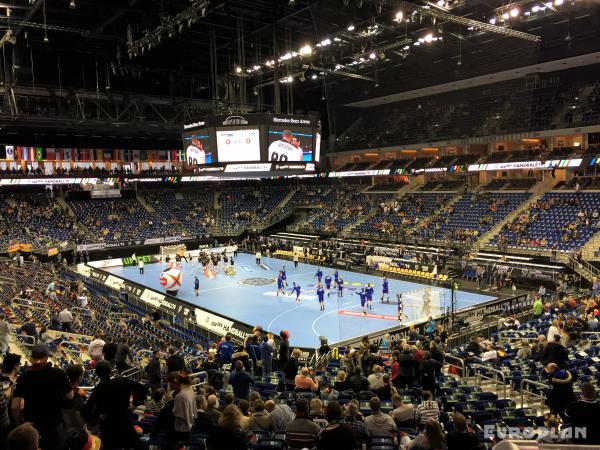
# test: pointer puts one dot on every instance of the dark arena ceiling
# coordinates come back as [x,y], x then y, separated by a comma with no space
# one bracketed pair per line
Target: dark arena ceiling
[137,69]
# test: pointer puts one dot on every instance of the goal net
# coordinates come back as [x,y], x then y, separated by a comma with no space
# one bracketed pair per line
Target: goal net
[418,303]
[171,251]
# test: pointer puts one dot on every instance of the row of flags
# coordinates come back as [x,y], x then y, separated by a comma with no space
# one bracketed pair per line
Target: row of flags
[21,153]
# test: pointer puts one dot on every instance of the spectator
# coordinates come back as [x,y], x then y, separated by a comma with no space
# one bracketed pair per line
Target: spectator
[553,331]
[229,433]
[291,370]
[403,413]
[490,354]
[337,435]
[279,416]
[561,395]
[437,355]
[225,350]
[38,398]
[284,349]
[175,362]
[406,368]
[554,352]
[96,346]
[358,382]
[342,384]
[109,350]
[474,347]
[376,378]
[241,355]
[378,423]
[460,438]
[266,356]
[316,409]
[305,381]
[427,409]
[10,370]
[4,335]
[204,423]
[112,399]
[29,329]
[240,381]
[24,437]
[355,420]
[432,438]
[584,414]
[524,350]
[259,420]
[427,373]
[66,320]
[538,307]
[184,406]
[156,402]
[122,356]
[386,391]
[153,370]
[302,432]
[213,408]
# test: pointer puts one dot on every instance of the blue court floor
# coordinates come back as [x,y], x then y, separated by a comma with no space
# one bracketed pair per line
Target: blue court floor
[256,303]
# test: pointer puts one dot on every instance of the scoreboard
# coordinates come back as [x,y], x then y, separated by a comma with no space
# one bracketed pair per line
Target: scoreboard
[262,142]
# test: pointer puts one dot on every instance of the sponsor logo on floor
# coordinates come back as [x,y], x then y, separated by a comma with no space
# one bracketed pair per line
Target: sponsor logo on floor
[257,281]
[264,266]
[293,296]
[247,269]
[345,312]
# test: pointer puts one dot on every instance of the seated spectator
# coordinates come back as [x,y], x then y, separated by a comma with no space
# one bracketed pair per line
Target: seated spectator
[24,437]
[302,432]
[460,438]
[378,423]
[427,409]
[228,433]
[342,384]
[259,420]
[304,381]
[354,418]
[240,381]
[403,413]
[213,408]
[386,391]
[279,416]
[204,423]
[358,382]
[432,438]
[337,435]
[376,378]
[524,350]
[490,354]
[316,409]
[156,401]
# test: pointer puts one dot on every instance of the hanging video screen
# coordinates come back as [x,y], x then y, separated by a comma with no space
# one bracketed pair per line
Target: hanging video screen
[290,144]
[238,145]
[197,147]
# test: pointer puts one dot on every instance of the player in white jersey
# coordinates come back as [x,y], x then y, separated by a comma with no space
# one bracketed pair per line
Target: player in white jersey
[195,153]
[284,149]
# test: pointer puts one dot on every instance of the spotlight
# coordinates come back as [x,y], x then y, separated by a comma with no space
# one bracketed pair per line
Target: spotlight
[290,79]
[399,16]
[350,28]
[306,50]
[558,2]
[46,40]
[514,12]
[238,69]
[255,91]
[535,9]
[493,21]
[549,5]
[256,67]
[428,38]
[72,4]
[505,16]
[372,55]
[441,3]
[292,3]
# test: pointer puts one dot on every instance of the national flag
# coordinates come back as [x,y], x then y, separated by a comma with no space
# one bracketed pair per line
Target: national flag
[67,154]
[18,153]
[39,154]
[10,152]
[84,154]
[108,155]
[136,155]
[50,154]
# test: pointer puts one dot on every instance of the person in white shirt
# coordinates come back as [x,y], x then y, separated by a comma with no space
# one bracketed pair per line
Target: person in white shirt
[490,354]
[141,266]
[95,347]
[376,378]
[83,300]
[296,258]
[284,149]
[553,331]
[66,320]
[258,256]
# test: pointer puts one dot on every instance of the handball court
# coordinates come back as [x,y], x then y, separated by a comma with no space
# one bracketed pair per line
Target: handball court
[249,296]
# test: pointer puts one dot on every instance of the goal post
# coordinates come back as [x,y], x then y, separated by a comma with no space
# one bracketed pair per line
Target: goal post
[171,251]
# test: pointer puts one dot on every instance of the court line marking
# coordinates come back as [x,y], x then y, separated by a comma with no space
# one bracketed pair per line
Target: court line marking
[334,311]
[281,315]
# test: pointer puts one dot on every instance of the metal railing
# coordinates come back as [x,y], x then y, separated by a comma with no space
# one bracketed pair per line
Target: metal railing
[585,266]
[134,373]
[460,363]
[31,304]
[501,381]
[530,393]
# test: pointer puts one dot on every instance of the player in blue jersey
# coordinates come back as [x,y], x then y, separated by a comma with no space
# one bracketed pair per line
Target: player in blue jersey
[319,275]
[280,284]
[284,276]
[328,284]
[321,296]
[336,277]
[296,289]
[340,285]
[363,300]
[385,289]
[196,285]
[369,291]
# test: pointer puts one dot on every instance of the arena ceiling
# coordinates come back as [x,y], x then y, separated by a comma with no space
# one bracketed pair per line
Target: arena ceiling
[210,49]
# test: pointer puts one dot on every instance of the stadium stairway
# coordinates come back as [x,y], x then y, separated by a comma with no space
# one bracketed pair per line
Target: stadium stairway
[279,214]
[591,250]
[63,204]
[140,198]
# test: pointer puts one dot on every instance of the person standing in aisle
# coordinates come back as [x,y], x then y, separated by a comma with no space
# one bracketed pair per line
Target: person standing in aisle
[258,255]
[141,266]
[296,260]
